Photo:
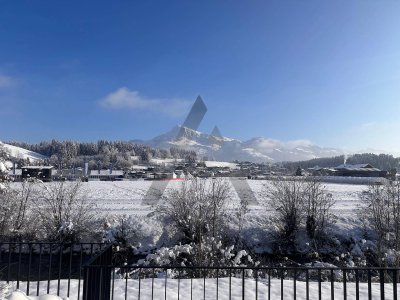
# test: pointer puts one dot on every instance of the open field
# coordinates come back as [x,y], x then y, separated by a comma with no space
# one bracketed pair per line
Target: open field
[129,197]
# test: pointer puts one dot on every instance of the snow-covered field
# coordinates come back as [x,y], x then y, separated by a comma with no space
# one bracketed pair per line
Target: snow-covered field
[140,199]
[129,197]
[197,288]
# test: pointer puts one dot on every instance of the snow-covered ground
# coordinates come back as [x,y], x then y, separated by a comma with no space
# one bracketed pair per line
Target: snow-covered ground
[140,199]
[197,288]
[127,197]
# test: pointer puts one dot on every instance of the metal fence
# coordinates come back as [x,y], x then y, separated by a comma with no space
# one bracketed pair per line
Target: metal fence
[152,282]
[42,268]
[86,271]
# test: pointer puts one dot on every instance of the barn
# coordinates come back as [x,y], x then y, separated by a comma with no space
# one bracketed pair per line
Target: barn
[359,170]
[43,173]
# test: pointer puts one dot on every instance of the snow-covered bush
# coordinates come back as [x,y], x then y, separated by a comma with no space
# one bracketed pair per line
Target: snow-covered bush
[64,212]
[197,209]
[210,253]
[123,230]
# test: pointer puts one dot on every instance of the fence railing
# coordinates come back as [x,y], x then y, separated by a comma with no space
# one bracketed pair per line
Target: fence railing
[152,282]
[42,267]
[86,271]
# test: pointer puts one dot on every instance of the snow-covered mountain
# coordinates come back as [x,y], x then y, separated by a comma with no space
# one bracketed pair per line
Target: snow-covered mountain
[258,149]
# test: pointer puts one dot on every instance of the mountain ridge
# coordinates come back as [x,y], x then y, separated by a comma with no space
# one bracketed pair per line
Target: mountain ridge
[258,149]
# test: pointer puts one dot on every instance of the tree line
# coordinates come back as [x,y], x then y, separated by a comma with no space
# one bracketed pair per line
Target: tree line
[384,162]
[101,154]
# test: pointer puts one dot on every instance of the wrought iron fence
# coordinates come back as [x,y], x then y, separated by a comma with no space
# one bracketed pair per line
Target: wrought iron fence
[153,282]
[86,271]
[42,267]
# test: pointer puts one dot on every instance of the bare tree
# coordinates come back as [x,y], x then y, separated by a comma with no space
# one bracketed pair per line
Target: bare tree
[63,210]
[22,200]
[318,208]
[197,209]
[287,198]
[299,202]
[382,210]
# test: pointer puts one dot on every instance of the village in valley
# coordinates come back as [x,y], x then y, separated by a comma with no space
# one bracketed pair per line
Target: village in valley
[171,150]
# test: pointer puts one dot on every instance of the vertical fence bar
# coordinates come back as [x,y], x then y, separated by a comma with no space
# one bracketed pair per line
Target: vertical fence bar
[100,288]
[394,284]
[152,286]
[243,283]
[294,284]
[179,282]
[344,284]
[281,284]
[369,285]
[9,263]
[165,284]
[19,265]
[39,269]
[113,281]
[269,284]
[140,275]
[61,246]
[357,285]
[80,270]
[256,284]
[218,282]
[29,269]
[86,282]
[230,283]
[70,270]
[307,286]
[382,283]
[332,285]
[49,273]
[204,284]
[319,284]
[126,284]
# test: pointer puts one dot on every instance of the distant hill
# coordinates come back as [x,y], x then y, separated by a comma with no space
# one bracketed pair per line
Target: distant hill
[17,153]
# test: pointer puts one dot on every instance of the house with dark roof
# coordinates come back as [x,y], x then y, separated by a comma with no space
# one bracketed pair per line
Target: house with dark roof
[359,170]
[43,173]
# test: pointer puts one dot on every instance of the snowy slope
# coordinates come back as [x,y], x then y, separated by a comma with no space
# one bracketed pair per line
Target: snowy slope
[21,153]
[226,149]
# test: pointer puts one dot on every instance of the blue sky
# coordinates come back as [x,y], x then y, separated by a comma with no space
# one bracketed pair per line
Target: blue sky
[327,71]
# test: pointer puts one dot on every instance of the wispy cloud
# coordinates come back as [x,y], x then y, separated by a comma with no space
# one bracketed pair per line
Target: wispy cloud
[266,145]
[124,98]
[6,81]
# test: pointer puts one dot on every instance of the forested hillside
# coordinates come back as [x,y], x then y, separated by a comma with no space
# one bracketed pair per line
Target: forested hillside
[119,154]
[384,162]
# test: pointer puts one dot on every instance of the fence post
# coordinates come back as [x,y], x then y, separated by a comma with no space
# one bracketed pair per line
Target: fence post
[97,276]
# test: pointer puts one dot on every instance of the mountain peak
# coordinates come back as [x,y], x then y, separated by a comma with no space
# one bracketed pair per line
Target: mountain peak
[259,149]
